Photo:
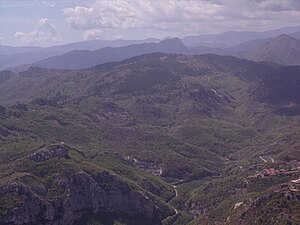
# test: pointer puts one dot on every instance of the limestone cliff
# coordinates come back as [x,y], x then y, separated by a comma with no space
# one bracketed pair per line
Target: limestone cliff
[55,191]
[82,194]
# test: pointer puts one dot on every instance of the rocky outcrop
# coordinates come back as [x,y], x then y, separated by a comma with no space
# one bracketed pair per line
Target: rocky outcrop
[18,204]
[52,151]
[82,195]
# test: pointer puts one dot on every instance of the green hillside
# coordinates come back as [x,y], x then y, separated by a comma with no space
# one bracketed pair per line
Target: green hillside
[179,138]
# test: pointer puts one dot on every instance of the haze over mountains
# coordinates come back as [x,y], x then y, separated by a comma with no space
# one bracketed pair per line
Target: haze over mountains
[283,50]
[15,56]
[85,59]
[231,38]
[241,44]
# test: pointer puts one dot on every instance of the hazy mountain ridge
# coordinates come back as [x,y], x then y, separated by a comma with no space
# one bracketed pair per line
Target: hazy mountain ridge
[15,56]
[251,50]
[231,38]
[85,59]
[282,50]
[242,43]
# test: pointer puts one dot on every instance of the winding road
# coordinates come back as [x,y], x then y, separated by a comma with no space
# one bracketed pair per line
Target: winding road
[175,210]
[265,161]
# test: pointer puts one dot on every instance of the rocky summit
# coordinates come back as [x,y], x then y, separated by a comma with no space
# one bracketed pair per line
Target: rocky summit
[48,152]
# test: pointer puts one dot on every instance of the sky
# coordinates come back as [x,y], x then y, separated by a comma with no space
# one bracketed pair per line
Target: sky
[45,22]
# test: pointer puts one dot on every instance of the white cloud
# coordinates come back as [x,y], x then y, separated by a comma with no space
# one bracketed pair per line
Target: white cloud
[182,16]
[45,32]
[139,14]
[278,5]
[49,3]
[45,23]
[147,14]
[99,34]
[92,34]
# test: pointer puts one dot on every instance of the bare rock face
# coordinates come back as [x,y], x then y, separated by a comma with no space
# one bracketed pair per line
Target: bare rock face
[48,152]
[22,213]
[83,195]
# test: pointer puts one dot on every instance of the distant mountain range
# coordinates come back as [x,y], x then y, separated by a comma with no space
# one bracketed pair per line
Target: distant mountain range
[15,56]
[283,50]
[81,59]
[82,45]
[231,38]
[250,45]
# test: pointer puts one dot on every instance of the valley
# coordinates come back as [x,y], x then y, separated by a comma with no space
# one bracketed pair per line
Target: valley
[142,112]
[177,139]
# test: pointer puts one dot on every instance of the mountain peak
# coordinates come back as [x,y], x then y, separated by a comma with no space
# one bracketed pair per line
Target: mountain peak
[284,37]
[282,49]
[173,41]
[173,44]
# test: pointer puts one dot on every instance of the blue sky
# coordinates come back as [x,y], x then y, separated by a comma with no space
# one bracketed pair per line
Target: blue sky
[25,15]
[49,22]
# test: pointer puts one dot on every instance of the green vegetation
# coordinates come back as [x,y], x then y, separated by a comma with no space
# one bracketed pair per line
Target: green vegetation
[202,122]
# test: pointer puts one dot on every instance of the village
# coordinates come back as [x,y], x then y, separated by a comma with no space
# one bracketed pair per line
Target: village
[290,168]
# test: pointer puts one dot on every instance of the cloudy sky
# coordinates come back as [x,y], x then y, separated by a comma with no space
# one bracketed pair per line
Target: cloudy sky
[45,22]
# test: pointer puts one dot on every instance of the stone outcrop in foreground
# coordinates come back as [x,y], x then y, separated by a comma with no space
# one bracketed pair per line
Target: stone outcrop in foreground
[80,195]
